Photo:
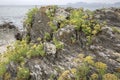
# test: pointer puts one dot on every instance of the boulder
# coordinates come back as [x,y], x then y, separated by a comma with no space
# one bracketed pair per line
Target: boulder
[65,34]
[39,25]
[110,15]
[49,48]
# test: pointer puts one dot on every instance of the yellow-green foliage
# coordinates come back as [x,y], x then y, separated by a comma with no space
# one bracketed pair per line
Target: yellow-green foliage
[47,36]
[30,15]
[94,76]
[84,21]
[82,72]
[89,60]
[86,65]
[19,52]
[7,76]
[51,11]
[115,29]
[109,76]
[2,68]
[101,67]
[58,44]
[64,75]
[52,26]
[23,73]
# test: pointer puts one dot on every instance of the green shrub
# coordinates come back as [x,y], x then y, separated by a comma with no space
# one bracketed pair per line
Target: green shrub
[82,72]
[84,22]
[2,68]
[110,77]
[58,44]
[47,36]
[23,73]
[30,15]
[51,11]
[19,52]
[87,69]
[52,26]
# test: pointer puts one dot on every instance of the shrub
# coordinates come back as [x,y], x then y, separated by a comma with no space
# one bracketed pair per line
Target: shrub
[101,67]
[64,75]
[51,11]
[110,77]
[47,36]
[89,60]
[82,20]
[94,76]
[59,45]
[82,72]
[87,71]
[23,73]
[116,29]
[2,68]
[52,26]
[30,15]
[19,52]
[85,22]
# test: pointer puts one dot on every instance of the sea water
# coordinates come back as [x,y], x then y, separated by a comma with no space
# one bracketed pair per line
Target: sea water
[14,14]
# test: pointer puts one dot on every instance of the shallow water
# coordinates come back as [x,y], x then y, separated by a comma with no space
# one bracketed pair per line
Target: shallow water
[14,14]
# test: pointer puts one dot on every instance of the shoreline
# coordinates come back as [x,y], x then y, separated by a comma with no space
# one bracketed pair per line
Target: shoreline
[7,35]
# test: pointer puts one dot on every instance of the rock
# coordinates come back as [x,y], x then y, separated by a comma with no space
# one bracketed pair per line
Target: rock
[18,36]
[104,47]
[49,48]
[8,25]
[65,34]
[61,14]
[7,35]
[111,15]
[108,31]
[39,25]
[118,59]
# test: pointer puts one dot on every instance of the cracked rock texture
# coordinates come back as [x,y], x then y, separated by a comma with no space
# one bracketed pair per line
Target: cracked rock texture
[105,46]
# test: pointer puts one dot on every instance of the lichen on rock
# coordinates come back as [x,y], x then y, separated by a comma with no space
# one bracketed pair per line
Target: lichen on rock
[66,44]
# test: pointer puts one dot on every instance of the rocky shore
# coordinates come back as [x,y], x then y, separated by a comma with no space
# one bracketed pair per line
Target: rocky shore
[7,35]
[61,50]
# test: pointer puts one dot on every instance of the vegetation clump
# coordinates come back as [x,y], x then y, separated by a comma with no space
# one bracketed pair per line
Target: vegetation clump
[51,11]
[110,77]
[88,71]
[87,68]
[19,53]
[83,20]
[30,14]
[23,73]
[59,45]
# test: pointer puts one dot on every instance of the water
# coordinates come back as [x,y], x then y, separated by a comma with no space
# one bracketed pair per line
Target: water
[14,14]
